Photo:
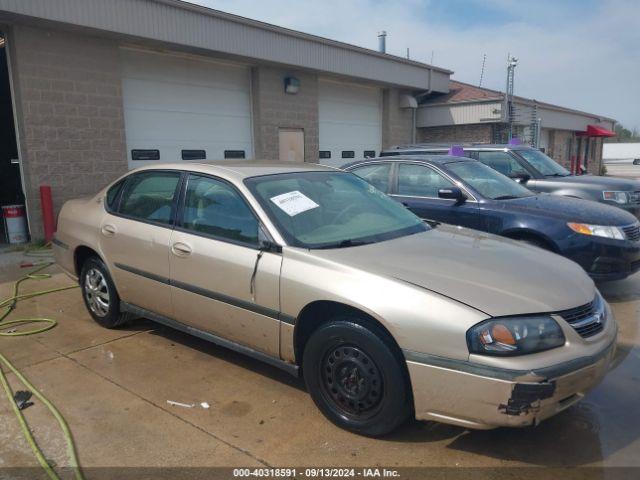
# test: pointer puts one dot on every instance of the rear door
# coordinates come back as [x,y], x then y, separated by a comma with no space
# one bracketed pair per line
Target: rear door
[135,235]
[416,186]
[221,282]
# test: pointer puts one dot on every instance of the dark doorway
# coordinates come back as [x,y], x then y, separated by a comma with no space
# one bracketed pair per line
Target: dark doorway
[10,184]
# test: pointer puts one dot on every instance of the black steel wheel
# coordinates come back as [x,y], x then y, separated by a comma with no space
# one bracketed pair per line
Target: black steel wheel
[356,378]
[352,380]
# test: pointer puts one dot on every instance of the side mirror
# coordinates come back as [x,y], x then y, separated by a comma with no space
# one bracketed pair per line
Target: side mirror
[453,193]
[520,177]
[265,244]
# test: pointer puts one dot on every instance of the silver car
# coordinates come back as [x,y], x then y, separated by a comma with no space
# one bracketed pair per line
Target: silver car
[315,271]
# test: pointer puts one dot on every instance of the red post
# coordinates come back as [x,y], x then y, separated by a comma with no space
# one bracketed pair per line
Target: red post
[48,220]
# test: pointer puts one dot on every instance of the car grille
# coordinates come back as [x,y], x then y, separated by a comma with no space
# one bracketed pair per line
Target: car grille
[588,320]
[632,232]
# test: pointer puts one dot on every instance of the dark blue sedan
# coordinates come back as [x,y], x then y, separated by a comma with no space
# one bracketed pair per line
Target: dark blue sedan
[604,240]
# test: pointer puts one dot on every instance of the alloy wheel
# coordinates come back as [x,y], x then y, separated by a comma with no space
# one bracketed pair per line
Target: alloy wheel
[96,292]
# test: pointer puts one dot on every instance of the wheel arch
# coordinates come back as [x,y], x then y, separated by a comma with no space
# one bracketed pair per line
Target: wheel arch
[81,254]
[319,312]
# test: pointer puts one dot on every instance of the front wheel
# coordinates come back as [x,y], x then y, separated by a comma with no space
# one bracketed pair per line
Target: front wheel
[355,378]
[100,295]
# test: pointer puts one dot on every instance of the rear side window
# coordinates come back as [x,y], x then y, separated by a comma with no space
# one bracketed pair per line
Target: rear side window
[215,208]
[112,195]
[376,175]
[150,196]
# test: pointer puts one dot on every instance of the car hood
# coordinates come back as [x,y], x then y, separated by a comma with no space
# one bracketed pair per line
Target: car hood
[569,209]
[599,183]
[492,274]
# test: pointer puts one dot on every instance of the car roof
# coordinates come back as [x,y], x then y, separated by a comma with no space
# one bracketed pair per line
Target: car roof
[435,159]
[239,169]
[467,145]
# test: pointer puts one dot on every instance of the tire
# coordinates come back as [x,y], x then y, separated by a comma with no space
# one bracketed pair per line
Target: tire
[100,295]
[356,378]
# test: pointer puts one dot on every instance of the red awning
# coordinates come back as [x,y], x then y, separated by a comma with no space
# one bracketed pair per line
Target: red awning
[596,131]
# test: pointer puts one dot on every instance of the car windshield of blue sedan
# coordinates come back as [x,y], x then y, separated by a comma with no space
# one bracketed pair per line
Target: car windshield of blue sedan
[487,182]
[331,209]
[542,163]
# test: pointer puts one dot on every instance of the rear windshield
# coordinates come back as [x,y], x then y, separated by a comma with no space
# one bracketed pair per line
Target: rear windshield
[545,165]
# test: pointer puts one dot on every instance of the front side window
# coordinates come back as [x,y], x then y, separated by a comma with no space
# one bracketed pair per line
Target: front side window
[213,207]
[377,175]
[502,162]
[487,182]
[331,209]
[541,162]
[420,181]
[150,196]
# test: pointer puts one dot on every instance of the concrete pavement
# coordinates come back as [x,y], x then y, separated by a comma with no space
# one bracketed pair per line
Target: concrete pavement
[113,385]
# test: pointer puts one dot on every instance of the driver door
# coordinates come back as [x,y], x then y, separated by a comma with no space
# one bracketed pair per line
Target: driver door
[416,187]
[220,281]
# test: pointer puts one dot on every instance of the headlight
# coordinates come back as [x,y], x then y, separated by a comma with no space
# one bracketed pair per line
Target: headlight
[618,197]
[512,336]
[597,230]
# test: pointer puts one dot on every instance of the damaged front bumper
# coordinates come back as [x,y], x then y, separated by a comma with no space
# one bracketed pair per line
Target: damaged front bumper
[486,396]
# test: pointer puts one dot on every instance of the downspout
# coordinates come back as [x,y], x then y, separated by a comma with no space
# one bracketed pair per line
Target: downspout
[413,130]
[415,110]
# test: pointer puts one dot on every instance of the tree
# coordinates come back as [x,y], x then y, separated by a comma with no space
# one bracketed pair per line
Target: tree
[624,135]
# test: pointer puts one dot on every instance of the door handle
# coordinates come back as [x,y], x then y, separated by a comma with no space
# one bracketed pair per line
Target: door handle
[108,230]
[181,249]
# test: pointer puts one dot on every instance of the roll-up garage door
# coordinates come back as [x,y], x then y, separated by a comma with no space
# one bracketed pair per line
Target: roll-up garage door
[179,108]
[350,118]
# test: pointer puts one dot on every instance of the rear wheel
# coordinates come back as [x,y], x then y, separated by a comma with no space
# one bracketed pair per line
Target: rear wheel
[355,377]
[100,295]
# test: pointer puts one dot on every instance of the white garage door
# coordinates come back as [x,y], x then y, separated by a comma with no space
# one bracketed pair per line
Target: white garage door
[350,122]
[178,108]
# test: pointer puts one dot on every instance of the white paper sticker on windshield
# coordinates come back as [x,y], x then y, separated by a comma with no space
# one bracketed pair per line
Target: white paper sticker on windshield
[293,203]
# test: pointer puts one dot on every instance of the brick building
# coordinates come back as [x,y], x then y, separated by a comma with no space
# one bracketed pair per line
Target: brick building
[92,88]
[95,87]
[472,114]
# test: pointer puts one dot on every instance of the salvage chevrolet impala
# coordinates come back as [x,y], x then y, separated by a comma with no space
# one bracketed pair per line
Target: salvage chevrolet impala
[317,272]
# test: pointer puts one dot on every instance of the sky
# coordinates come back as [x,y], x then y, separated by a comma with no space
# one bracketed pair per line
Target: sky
[581,54]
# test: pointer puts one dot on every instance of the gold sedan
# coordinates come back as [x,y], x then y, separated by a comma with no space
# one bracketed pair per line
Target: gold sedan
[315,271]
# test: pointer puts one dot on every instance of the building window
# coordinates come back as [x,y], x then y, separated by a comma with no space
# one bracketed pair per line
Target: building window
[234,154]
[145,154]
[325,154]
[194,154]
[348,154]
[369,153]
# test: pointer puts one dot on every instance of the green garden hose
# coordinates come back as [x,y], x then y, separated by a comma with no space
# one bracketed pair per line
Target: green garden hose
[46,324]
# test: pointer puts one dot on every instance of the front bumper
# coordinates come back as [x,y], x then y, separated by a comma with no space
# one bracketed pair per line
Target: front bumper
[604,259]
[485,397]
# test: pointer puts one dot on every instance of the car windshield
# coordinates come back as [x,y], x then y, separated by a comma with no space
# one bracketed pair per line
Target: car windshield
[545,165]
[487,182]
[331,209]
